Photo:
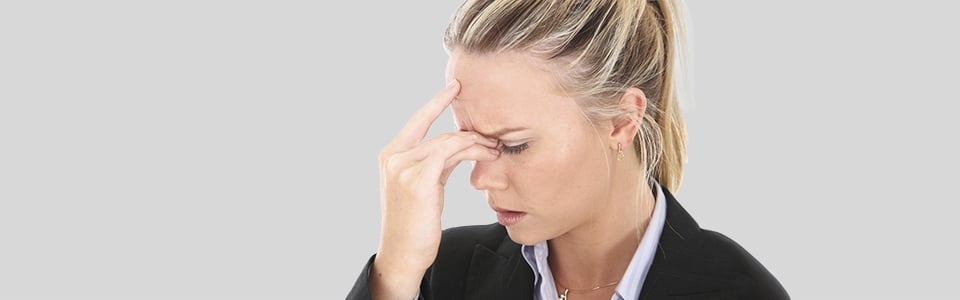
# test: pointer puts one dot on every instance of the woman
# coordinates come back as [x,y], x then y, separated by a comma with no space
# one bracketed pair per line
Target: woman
[569,111]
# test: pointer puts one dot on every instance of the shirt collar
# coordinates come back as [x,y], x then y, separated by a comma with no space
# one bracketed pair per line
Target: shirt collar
[633,278]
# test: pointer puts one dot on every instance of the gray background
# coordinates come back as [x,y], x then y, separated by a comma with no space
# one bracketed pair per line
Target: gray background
[228,149]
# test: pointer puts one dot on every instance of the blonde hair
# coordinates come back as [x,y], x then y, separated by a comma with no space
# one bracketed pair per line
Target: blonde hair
[608,46]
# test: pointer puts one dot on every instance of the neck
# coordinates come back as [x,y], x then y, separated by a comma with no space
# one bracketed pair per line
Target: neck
[599,251]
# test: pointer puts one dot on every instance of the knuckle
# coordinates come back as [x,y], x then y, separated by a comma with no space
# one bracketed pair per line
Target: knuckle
[467,138]
[445,136]
[383,156]
[461,142]
[407,176]
[391,164]
[453,142]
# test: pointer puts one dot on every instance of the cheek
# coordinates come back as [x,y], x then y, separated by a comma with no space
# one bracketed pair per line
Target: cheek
[560,173]
[578,169]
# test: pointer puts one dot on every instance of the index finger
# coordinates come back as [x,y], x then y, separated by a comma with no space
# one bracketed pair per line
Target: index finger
[418,125]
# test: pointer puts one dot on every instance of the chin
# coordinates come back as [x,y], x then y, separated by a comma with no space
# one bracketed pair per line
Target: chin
[524,237]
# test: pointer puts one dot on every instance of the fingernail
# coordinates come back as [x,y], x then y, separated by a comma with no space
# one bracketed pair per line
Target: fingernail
[451,84]
[495,152]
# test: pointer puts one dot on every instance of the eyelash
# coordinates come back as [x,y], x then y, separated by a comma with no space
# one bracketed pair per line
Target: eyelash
[513,149]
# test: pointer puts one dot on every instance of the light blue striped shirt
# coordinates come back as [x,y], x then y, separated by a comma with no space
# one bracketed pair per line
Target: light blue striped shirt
[632,280]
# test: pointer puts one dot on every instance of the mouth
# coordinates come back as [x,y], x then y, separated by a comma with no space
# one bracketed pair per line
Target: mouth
[509,217]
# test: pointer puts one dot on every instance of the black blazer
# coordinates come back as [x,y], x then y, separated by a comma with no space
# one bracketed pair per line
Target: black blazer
[481,262]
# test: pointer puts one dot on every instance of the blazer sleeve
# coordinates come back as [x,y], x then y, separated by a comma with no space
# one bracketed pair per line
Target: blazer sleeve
[361,288]
[448,275]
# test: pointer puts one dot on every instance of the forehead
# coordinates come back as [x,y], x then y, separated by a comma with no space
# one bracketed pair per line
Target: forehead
[502,90]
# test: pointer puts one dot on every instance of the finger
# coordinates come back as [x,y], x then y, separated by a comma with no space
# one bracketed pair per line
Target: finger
[418,125]
[400,161]
[440,148]
[438,165]
[476,153]
[446,144]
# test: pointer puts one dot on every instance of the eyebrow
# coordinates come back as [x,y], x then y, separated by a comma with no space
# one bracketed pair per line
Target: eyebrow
[503,131]
[498,133]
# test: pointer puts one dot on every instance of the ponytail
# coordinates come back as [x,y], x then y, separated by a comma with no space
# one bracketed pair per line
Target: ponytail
[669,169]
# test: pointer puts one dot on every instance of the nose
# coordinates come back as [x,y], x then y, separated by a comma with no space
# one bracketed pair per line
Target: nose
[488,175]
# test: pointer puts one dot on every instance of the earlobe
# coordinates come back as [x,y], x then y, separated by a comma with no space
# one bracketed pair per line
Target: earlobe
[633,103]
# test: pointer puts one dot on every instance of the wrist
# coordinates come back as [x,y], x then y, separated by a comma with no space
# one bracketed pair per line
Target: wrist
[390,280]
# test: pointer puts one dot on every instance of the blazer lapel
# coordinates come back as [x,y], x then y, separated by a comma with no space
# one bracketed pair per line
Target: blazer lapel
[500,274]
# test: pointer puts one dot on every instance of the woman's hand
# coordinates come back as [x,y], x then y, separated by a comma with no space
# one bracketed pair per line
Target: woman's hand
[412,178]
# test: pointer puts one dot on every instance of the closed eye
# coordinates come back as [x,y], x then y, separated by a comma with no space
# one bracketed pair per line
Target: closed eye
[513,149]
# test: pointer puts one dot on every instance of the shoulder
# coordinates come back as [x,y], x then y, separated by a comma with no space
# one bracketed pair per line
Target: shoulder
[694,259]
[726,259]
[730,259]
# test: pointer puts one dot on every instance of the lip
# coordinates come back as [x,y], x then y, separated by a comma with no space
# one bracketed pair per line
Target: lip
[509,217]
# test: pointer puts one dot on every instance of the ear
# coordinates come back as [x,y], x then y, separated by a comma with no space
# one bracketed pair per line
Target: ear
[625,127]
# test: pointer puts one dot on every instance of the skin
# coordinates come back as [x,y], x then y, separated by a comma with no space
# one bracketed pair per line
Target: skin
[559,169]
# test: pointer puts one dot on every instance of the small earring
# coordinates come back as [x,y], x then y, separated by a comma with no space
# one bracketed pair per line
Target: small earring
[619,151]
